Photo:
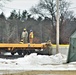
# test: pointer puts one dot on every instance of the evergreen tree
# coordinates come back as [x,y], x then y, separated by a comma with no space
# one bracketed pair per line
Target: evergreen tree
[13,15]
[24,15]
[2,15]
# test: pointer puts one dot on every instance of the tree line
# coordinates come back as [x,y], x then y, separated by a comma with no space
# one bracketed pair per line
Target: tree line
[12,27]
[44,26]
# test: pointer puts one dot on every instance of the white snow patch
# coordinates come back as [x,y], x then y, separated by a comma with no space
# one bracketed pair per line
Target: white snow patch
[37,62]
[34,59]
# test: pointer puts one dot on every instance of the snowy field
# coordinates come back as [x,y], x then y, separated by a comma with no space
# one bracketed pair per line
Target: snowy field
[38,62]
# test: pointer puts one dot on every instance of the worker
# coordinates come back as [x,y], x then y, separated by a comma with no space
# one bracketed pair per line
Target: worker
[31,36]
[21,42]
[25,36]
[49,43]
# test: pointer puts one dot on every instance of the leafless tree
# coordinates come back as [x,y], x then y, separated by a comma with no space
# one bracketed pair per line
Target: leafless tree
[48,8]
[8,32]
[45,8]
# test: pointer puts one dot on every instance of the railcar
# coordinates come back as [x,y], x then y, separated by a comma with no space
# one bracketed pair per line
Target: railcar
[23,49]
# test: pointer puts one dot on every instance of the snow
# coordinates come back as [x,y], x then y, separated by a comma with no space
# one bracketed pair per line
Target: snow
[34,59]
[37,62]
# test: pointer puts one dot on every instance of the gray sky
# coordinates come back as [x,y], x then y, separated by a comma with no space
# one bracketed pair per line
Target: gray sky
[26,4]
[18,4]
[73,5]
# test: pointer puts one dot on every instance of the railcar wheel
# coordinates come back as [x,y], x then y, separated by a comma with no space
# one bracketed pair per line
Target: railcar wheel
[19,52]
[12,53]
[24,52]
[31,51]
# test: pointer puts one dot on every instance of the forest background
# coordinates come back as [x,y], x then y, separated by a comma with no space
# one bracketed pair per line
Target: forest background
[44,26]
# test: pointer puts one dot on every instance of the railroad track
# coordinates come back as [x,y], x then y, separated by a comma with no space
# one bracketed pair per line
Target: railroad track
[11,56]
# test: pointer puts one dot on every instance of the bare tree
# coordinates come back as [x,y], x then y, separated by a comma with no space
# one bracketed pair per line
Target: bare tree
[48,8]
[8,32]
[45,8]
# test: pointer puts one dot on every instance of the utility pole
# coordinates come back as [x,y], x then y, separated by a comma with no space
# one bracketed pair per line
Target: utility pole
[57,28]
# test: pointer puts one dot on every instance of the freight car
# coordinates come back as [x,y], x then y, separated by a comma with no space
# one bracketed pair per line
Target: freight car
[23,49]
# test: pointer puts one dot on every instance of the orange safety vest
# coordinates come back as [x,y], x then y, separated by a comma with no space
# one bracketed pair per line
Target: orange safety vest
[31,35]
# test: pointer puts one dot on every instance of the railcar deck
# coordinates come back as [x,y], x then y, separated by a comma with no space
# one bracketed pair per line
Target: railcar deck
[10,46]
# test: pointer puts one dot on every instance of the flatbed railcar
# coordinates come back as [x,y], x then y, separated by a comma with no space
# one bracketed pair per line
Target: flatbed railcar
[23,49]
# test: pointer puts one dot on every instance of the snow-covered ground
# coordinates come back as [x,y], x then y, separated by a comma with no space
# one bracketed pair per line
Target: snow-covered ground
[37,62]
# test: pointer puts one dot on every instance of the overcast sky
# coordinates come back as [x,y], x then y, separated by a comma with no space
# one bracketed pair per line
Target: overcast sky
[73,5]
[26,4]
[18,4]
